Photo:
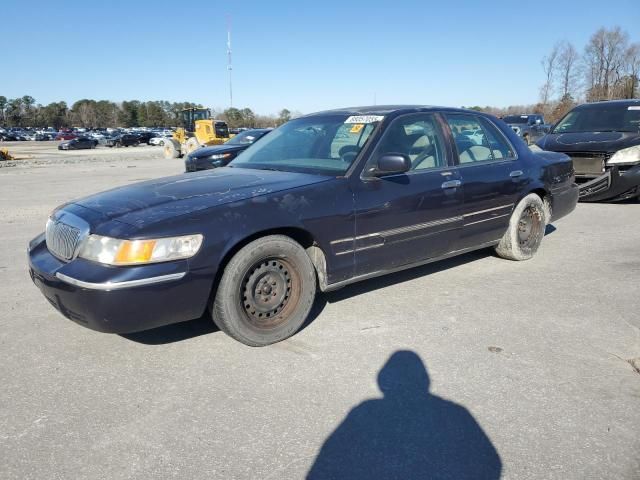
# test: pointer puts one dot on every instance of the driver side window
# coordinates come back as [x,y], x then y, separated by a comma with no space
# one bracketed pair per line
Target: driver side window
[417,136]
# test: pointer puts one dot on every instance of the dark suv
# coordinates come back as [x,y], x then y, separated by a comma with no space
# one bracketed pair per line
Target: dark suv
[603,140]
[529,127]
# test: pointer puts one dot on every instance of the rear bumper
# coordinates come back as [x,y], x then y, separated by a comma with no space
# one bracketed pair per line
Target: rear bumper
[118,299]
[564,201]
[614,184]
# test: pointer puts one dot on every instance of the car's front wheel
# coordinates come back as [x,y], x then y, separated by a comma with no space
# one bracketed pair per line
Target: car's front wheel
[266,291]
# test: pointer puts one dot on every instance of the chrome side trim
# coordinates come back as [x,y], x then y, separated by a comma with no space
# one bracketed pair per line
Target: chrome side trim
[487,219]
[106,286]
[366,276]
[488,210]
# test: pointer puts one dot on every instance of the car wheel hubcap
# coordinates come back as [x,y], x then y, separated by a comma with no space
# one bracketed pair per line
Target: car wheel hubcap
[269,292]
[529,227]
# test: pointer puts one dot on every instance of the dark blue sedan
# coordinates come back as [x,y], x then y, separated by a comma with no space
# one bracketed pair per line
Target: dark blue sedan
[323,201]
[206,158]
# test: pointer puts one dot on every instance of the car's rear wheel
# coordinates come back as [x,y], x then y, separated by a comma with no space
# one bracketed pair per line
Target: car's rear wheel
[526,229]
[266,291]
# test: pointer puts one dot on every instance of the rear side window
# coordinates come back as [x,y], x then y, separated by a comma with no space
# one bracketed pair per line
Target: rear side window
[500,147]
[477,140]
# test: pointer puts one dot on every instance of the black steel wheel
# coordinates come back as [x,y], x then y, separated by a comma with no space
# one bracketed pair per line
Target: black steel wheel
[266,291]
[530,227]
[526,229]
[269,291]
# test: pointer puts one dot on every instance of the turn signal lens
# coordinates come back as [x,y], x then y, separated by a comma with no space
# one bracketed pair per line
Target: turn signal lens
[138,251]
[113,251]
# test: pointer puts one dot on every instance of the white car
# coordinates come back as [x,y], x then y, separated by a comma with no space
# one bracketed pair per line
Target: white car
[158,140]
[476,136]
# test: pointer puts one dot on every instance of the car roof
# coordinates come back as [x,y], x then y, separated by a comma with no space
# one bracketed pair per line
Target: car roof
[622,103]
[390,109]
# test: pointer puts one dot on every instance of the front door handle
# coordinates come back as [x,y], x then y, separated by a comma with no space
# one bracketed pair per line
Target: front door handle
[451,184]
[516,173]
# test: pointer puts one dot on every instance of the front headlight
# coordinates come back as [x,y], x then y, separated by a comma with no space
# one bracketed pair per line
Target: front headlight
[113,251]
[626,156]
[219,156]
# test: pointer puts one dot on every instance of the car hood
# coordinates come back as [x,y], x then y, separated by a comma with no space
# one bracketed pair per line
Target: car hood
[216,150]
[589,141]
[148,202]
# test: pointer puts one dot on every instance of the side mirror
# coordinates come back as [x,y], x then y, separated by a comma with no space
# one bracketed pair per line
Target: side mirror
[392,163]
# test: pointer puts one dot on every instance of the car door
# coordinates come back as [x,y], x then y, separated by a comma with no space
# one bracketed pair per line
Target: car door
[493,178]
[409,217]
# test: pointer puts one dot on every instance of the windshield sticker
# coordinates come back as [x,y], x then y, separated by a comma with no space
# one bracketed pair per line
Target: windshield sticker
[357,128]
[364,119]
[633,108]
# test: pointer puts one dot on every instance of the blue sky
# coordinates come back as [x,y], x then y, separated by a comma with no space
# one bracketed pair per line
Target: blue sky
[302,55]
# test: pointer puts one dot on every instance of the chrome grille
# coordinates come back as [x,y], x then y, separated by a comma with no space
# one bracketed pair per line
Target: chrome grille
[62,239]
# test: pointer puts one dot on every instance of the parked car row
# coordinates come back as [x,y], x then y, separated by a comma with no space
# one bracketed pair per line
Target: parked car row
[103,136]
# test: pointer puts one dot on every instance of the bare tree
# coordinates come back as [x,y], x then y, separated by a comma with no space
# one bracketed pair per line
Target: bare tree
[567,69]
[632,61]
[549,66]
[605,58]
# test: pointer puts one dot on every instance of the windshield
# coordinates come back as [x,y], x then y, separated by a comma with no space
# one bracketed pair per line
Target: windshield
[222,130]
[516,119]
[605,118]
[326,144]
[246,138]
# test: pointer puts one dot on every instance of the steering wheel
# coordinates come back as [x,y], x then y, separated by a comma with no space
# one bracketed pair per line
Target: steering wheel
[348,153]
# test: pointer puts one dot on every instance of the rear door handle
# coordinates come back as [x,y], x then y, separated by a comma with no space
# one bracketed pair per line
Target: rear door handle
[516,173]
[451,184]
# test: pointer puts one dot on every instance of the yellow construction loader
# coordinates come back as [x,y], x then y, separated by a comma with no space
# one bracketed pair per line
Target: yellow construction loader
[198,129]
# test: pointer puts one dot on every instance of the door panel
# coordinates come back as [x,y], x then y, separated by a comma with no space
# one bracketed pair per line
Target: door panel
[493,179]
[489,198]
[405,219]
[410,217]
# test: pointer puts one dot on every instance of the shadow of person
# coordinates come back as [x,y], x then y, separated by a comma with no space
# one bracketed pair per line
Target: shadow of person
[407,434]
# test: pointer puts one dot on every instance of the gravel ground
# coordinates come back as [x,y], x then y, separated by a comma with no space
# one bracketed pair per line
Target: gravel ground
[524,370]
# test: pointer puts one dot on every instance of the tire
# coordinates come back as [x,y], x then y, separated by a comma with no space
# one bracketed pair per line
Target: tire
[191,145]
[266,292]
[171,149]
[526,229]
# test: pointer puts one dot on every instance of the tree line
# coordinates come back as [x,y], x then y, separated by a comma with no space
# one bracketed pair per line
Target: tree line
[25,112]
[607,68]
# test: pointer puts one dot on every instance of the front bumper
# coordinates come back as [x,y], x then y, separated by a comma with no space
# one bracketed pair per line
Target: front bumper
[118,299]
[615,184]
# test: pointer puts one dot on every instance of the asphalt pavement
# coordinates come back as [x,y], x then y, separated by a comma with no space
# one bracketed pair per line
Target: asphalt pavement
[474,367]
